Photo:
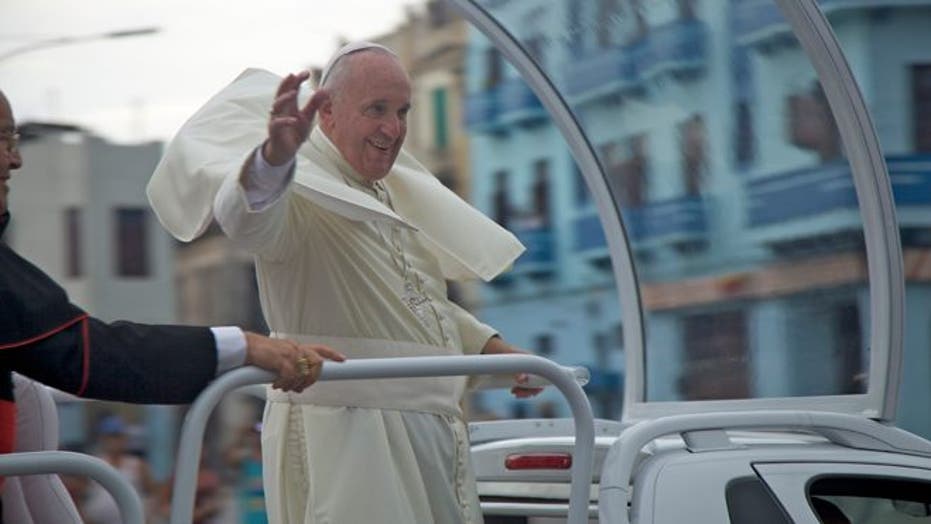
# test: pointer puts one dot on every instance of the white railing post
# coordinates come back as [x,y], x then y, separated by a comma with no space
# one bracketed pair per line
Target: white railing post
[192,432]
[70,463]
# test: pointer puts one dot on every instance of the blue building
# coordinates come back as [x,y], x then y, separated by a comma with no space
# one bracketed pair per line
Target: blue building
[725,160]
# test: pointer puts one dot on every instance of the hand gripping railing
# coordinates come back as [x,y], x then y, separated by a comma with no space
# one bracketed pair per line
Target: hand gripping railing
[70,463]
[192,432]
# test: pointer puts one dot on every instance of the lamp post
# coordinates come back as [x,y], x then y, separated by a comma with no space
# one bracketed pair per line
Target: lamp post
[68,40]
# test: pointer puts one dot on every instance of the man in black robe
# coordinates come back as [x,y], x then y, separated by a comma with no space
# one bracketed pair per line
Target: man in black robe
[47,338]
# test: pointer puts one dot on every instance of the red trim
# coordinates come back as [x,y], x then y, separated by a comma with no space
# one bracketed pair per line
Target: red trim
[86,360]
[45,335]
[7,428]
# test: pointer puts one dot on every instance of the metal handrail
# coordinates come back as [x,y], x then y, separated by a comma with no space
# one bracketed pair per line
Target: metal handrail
[71,463]
[192,431]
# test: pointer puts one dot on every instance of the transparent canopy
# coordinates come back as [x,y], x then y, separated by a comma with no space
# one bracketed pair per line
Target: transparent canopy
[737,190]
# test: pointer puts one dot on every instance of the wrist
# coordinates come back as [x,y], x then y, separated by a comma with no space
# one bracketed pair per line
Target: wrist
[272,157]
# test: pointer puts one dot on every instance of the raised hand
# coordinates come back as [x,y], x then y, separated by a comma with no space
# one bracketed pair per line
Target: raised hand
[288,125]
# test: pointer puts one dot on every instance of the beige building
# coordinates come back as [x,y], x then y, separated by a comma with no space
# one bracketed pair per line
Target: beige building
[432,45]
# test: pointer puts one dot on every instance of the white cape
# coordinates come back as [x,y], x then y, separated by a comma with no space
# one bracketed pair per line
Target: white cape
[214,142]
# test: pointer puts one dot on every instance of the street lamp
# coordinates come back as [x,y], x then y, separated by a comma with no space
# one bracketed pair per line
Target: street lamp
[67,40]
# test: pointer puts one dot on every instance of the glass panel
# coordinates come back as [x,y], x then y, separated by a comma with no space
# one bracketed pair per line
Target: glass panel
[869,500]
[718,146]
[887,46]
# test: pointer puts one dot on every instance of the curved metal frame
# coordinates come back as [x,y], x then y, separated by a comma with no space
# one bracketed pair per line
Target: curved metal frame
[874,193]
[195,422]
[68,462]
[584,154]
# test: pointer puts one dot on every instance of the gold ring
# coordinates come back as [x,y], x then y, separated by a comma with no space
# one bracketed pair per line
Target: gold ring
[303,366]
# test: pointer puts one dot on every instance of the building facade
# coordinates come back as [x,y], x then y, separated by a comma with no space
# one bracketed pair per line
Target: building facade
[722,154]
[80,213]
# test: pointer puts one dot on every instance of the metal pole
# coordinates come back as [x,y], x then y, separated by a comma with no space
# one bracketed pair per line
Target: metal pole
[67,40]
[192,432]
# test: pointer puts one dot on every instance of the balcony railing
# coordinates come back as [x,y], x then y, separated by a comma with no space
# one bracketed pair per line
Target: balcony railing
[511,102]
[517,103]
[827,191]
[676,221]
[676,47]
[537,237]
[481,110]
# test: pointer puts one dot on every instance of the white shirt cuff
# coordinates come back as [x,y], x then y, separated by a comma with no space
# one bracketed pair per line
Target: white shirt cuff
[267,182]
[231,347]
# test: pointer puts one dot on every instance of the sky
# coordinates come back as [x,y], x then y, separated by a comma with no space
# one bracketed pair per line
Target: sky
[144,87]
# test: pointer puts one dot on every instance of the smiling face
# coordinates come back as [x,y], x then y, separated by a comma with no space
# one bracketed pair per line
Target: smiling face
[9,155]
[366,114]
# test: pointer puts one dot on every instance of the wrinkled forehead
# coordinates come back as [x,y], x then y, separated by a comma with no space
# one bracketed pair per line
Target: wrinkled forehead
[379,75]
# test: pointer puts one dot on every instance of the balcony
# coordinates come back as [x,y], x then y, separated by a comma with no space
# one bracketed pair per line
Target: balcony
[539,261]
[510,103]
[481,110]
[677,47]
[821,200]
[518,104]
[675,222]
[757,22]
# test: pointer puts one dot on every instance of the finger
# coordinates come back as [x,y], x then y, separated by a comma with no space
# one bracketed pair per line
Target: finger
[329,353]
[292,81]
[522,378]
[310,108]
[280,123]
[285,102]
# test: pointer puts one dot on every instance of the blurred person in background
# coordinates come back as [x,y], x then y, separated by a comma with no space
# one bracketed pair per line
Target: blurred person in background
[244,457]
[100,507]
[47,338]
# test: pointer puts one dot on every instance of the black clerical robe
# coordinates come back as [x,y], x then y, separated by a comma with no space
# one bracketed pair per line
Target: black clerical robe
[47,338]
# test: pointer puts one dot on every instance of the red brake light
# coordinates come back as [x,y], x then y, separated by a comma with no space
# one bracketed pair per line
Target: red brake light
[538,461]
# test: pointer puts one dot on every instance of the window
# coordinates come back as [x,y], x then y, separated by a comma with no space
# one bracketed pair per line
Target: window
[582,196]
[693,146]
[132,243]
[576,28]
[543,345]
[870,499]
[607,16]
[686,9]
[745,142]
[535,46]
[73,241]
[501,207]
[494,68]
[811,123]
[921,107]
[715,356]
[438,13]
[440,121]
[848,337]
[625,168]
[541,191]
[640,28]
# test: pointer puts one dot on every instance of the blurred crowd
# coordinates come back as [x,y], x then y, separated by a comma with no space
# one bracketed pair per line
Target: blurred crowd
[228,491]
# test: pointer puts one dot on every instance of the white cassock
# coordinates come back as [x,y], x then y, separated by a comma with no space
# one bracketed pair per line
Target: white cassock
[364,270]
